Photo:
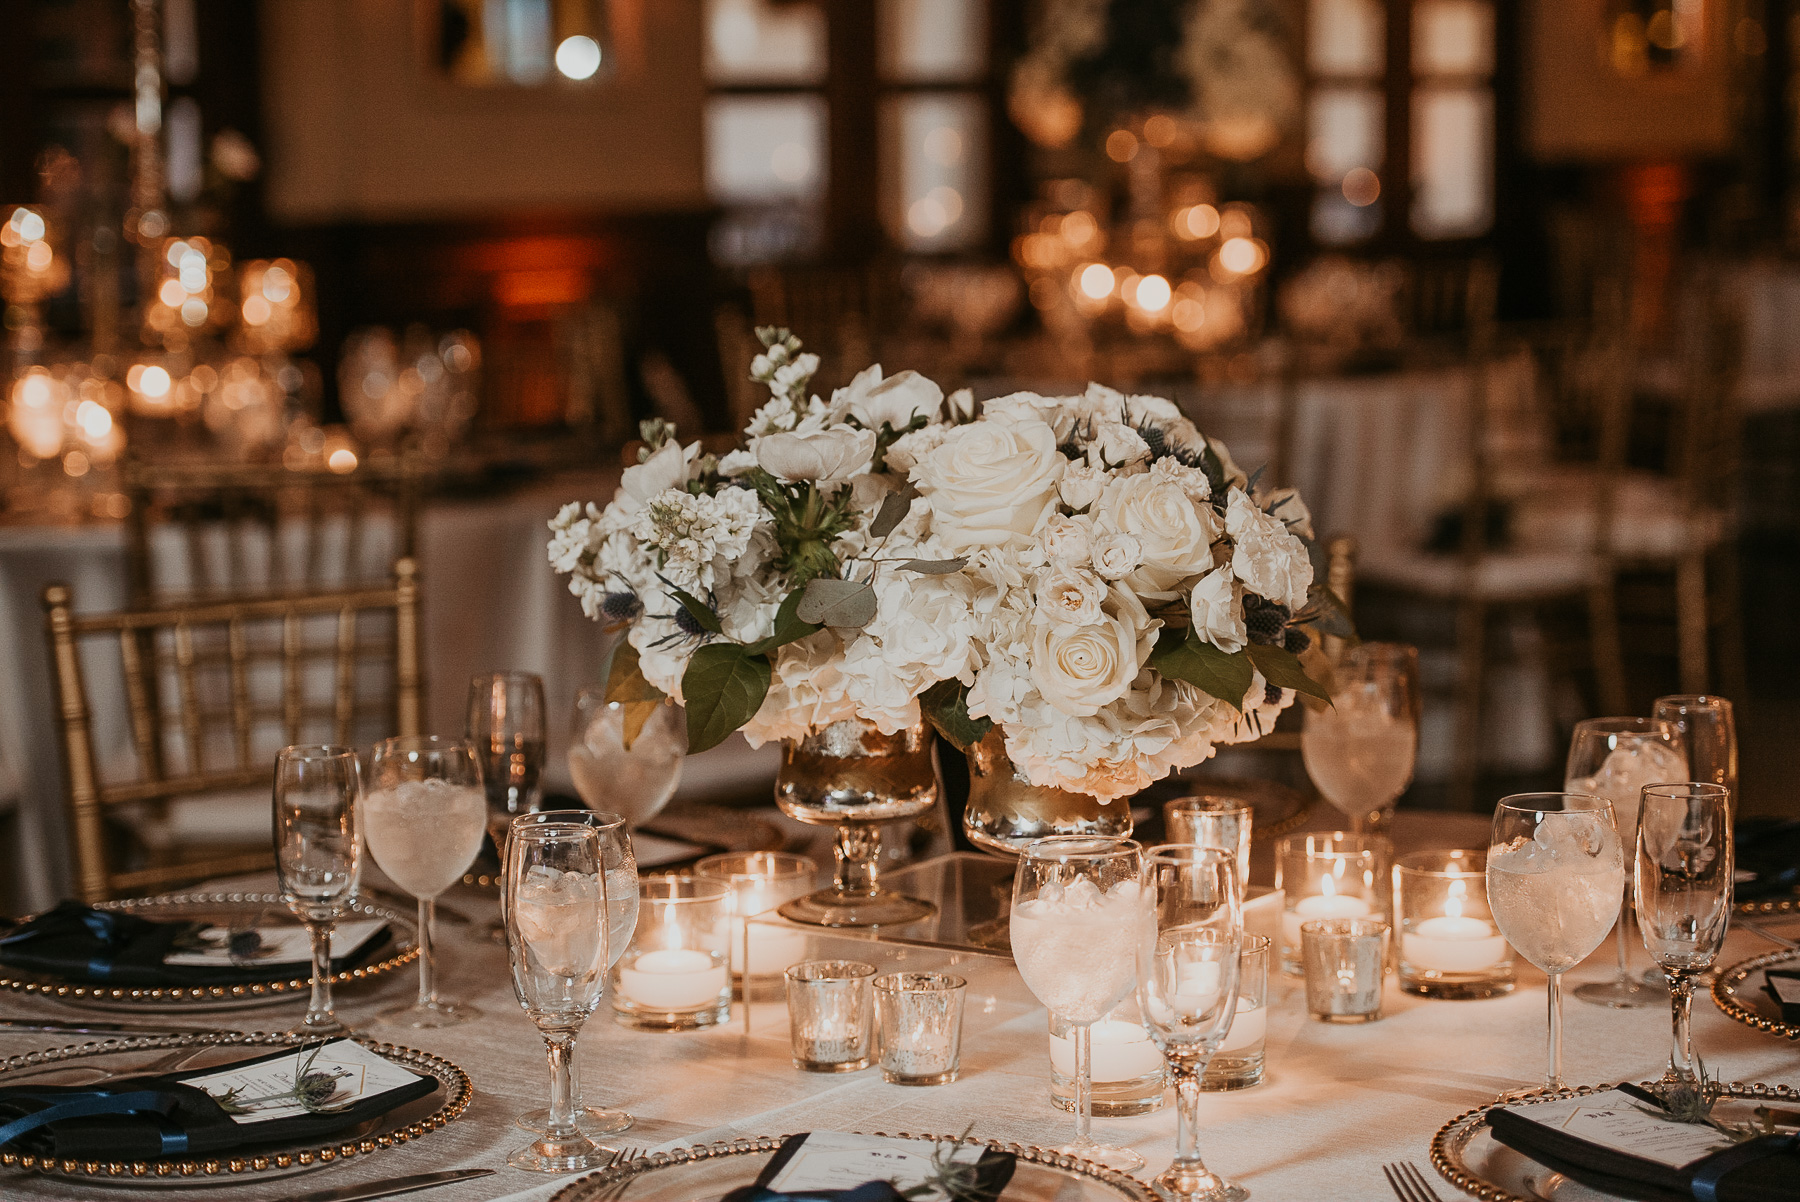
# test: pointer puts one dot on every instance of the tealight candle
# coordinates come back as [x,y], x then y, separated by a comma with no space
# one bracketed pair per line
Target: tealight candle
[1321,905]
[674,976]
[673,979]
[1117,1051]
[1449,945]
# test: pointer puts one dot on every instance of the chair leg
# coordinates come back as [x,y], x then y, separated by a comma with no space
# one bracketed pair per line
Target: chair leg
[1603,633]
[1690,619]
[1471,658]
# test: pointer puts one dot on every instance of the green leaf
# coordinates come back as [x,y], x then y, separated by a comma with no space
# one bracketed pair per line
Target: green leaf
[1181,656]
[1282,669]
[724,686]
[637,697]
[933,567]
[893,511]
[697,609]
[846,603]
[946,706]
[1214,467]
[789,627]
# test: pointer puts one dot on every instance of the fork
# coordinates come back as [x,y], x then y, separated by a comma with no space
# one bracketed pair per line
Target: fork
[617,1189]
[1408,1183]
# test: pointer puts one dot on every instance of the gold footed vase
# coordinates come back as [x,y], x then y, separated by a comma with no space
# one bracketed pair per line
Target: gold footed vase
[851,776]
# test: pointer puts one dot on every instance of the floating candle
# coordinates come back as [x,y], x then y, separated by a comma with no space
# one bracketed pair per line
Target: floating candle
[1118,1051]
[1452,943]
[673,979]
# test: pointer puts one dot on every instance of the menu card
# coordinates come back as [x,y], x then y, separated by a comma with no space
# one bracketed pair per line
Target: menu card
[836,1160]
[277,945]
[357,1073]
[1621,1122]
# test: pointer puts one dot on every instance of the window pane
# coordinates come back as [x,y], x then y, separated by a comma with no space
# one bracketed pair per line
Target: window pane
[765,148]
[1452,167]
[1346,37]
[935,166]
[1453,37]
[757,41]
[923,41]
[1343,132]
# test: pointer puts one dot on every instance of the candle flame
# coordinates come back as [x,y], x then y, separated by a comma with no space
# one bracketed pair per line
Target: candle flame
[1453,903]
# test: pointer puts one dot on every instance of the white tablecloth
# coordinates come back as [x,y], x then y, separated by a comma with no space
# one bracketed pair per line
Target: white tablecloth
[1338,1101]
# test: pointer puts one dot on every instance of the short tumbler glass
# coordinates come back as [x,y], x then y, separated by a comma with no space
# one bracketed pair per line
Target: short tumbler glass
[919,1015]
[829,1007]
[1449,945]
[1238,1064]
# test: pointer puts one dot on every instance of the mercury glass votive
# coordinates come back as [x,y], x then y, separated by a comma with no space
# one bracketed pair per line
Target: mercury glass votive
[1238,1064]
[1128,1074]
[919,1015]
[829,1007]
[1449,945]
[1329,874]
[675,975]
[1345,961]
[1212,820]
[759,881]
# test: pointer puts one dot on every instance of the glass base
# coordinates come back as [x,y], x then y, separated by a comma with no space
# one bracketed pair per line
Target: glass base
[576,1155]
[428,1017]
[640,1019]
[1621,993]
[1175,1186]
[893,1078]
[832,1066]
[1121,1160]
[829,908]
[331,1028]
[592,1120]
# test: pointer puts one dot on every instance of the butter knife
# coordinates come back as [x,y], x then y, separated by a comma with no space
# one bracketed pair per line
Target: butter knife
[391,1187]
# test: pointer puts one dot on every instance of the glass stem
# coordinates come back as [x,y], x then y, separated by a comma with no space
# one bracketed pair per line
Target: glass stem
[319,1009]
[1624,940]
[427,954]
[1554,994]
[1683,1060]
[1084,1085]
[1187,1124]
[858,852]
[561,1125]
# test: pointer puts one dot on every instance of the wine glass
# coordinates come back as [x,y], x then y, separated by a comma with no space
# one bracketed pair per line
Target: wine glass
[1187,973]
[318,856]
[1077,913]
[1683,891]
[506,729]
[423,818]
[637,780]
[621,921]
[1709,733]
[1360,750]
[1555,878]
[1615,758]
[554,901]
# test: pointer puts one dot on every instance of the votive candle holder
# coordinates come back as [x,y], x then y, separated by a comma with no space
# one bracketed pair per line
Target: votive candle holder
[1212,820]
[675,976]
[759,881]
[1128,1073]
[919,1016]
[1238,1064]
[1346,961]
[1329,874]
[830,1004]
[1449,944]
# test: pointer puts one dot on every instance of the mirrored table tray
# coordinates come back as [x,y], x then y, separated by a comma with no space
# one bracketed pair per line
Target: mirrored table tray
[1738,991]
[88,1064]
[706,1172]
[1468,1156]
[222,909]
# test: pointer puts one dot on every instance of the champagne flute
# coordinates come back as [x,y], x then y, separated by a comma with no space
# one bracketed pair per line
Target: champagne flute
[637,780]
[1683,891]
[1077,913]
[1187,973]
[1360,750]
[1709,733]
[424,819]
[556,937]
[621,922]
[1615,758]
[506,729]
[318,856]
[1555,878]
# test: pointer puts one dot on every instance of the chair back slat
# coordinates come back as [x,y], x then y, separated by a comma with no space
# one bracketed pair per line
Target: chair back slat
[239,650]
[137,697]
[346,674]
[291,683]
[190,697]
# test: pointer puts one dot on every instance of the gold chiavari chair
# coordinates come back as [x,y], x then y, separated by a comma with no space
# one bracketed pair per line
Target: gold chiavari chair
[239,679]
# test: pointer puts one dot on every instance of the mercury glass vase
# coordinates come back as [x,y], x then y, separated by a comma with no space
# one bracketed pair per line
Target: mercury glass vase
[1006,811]
[851,776]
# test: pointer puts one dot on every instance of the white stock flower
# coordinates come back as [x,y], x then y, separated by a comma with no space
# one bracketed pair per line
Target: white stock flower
[1217,611]
[571,536]
[668,468]
[1070,596]
[1082,485]
[1115,445]
[893,402]
[990,482]
[1176,534]
[1192,480]
[1067,541]
[700,537]
[1117,555]
[1270,561]
[1078,669]
[828,456]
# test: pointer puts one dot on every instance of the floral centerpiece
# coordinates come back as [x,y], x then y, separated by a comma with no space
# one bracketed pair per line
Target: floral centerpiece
[1088,573]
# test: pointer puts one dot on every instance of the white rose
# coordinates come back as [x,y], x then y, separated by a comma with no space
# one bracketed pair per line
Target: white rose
[1176,533]
[1079,669]
[827,456]
[990,482]
[1082,485]
[1270,561]
[1054,412]
[1100,404]
[1070,596]
[666,469]
[1142,410]
[1066,541]
[1117,555]
[893,402]
[1218,615]
[1114,444]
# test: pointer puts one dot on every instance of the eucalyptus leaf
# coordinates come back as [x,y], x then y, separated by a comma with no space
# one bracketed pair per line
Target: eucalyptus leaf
[845,603]
[1179,655]
[933,567]
[724,686]
[789,626]
[697,609]
[946,706]
[1282,669]
[636,697]
[893,511]
[1330,615]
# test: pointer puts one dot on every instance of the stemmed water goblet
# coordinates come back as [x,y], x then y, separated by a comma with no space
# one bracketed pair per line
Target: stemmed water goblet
[1360,750]
[621,921]
[554,901]
[622,771]
[1615,758]
[1682,885]
[1077,913]
[1187,973]
[423,819]
[1555,878]
[318,857]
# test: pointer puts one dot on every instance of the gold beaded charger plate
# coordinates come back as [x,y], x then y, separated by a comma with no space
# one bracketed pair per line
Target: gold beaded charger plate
[706,1172]
[1739,992]
[1468,1156]
[91,1063]
[232,911]
[1790,904]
